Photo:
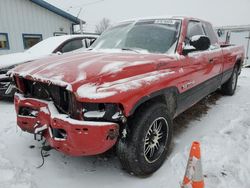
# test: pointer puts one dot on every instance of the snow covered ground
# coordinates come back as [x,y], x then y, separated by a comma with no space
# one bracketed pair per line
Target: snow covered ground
[221,124]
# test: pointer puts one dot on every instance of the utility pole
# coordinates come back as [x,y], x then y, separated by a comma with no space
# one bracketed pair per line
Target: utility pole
[86,4]
[81,27]
[81,24]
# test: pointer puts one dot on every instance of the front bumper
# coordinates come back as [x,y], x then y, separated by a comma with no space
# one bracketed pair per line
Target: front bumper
[81,138]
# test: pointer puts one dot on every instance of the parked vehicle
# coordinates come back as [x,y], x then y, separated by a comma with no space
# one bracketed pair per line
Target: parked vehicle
[52,45]
[126,91]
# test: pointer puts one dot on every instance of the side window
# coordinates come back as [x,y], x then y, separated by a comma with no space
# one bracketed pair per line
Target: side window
[72,45]
[4,41]
[30,40]
[210,33]
[194,28]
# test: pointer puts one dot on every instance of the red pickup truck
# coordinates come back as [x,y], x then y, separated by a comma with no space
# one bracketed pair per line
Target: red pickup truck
[126,89]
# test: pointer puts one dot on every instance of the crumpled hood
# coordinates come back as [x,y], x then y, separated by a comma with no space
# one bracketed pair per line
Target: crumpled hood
[74,70]
[17,58]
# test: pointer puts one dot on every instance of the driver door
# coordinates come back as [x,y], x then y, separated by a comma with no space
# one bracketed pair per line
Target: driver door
[197,70]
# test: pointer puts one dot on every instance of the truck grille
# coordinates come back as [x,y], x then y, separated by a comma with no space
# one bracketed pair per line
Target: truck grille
[49,92]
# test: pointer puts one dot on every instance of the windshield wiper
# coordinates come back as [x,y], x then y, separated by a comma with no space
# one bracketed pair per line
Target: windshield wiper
[130,49]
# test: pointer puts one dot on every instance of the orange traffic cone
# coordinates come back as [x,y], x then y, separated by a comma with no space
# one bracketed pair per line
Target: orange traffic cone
[194,177]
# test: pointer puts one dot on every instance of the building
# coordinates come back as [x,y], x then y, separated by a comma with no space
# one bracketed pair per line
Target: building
[239,35]
[23,23]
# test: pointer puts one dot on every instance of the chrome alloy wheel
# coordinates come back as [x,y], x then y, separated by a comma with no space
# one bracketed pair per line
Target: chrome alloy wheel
[155,139]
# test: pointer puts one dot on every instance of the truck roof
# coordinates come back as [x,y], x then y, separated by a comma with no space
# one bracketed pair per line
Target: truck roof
[164,17]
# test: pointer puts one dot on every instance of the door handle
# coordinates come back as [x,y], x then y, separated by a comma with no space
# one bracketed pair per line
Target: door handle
[211,60]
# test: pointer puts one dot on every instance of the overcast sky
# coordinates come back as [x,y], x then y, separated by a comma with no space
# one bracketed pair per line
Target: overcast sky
[219,12]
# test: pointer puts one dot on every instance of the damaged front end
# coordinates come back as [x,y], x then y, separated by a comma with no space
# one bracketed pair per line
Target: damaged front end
[74,128]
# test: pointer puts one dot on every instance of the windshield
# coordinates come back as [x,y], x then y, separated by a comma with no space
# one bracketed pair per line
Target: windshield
[152,36]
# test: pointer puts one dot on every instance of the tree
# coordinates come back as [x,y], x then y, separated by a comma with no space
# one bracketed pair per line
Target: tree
[102,26]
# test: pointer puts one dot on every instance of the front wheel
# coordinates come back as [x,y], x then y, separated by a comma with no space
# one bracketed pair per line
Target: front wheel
[229,87]
[144,149]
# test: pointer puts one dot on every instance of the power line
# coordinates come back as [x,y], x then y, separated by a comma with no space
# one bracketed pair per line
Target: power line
[85,4]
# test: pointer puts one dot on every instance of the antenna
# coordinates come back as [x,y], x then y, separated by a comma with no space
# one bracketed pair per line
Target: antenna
[80,6]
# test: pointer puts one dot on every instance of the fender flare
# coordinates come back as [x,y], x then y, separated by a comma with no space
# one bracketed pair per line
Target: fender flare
[163,92]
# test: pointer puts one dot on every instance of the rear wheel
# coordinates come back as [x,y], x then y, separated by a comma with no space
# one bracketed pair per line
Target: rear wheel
[229,87]
[144,149]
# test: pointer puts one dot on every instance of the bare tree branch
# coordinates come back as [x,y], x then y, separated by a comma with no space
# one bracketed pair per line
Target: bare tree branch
[102,26]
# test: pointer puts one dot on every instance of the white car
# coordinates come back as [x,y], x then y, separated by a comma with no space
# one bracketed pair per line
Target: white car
[49,46]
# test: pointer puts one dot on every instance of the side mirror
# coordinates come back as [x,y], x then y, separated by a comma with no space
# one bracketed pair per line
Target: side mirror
[197,43]
[200,42]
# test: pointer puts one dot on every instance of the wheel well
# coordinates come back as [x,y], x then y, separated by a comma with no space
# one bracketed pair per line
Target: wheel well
[239,63]
[168,98]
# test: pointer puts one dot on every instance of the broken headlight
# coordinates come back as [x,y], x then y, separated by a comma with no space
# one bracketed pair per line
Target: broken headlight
[103,112]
